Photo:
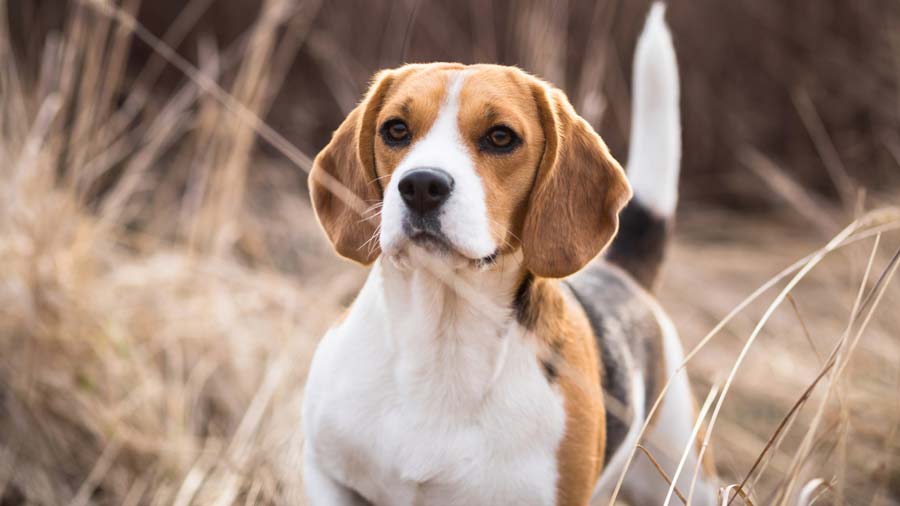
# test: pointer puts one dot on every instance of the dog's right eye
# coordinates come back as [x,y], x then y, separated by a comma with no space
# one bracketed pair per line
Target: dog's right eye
[395,133]
[499,139]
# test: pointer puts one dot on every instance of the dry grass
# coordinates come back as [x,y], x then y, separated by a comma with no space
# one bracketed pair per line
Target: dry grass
[163,286]
[147,337]
[855,437]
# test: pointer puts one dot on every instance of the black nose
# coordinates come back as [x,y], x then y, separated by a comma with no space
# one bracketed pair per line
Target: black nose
[425,190]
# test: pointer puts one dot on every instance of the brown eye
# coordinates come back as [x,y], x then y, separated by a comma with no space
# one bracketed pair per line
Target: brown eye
[395,132]
[500,139]
[398,131]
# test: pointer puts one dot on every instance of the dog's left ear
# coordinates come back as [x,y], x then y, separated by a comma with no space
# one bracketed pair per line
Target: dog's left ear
[343,184]
[573,211]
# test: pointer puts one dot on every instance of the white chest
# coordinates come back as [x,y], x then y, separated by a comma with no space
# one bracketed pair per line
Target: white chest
[468,430]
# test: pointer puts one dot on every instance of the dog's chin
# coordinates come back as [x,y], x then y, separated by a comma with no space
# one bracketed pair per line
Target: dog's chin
[426,250]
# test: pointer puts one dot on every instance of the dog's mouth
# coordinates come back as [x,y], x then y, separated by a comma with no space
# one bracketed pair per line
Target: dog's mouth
[436,242]
[432,241]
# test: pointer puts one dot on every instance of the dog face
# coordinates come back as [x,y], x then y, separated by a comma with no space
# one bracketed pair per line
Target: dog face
[468,163]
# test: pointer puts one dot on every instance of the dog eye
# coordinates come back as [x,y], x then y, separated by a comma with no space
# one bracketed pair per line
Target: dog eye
[395,133]
[500,139]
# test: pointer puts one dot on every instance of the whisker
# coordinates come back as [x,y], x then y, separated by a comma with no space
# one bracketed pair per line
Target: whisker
[506,244]
[371,242]
[370,213]
[379,178]
[370,217]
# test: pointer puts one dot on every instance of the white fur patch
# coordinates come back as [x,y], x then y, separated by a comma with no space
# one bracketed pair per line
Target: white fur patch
[424,397]
[464,218]
[654,155]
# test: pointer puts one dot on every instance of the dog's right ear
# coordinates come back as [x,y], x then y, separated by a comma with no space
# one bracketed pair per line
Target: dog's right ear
[343,183]
[573,211]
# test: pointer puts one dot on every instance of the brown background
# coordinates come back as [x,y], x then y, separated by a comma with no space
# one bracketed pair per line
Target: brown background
[752,71]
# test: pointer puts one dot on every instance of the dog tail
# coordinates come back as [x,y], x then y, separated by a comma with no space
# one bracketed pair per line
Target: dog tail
[654,156]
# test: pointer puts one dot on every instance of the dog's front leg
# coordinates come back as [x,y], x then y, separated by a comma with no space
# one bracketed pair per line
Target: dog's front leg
[321,490]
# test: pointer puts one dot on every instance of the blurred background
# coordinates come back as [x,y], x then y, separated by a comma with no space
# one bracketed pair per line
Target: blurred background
[163,281]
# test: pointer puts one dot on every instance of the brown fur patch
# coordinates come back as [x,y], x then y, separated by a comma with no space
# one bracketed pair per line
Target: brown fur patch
[568,345]
[345,170]
[580,188]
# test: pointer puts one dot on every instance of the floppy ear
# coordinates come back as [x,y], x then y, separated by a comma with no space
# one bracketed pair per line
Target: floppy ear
[343,183]
[573,211]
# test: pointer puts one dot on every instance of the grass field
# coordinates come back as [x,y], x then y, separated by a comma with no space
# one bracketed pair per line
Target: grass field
[163,284]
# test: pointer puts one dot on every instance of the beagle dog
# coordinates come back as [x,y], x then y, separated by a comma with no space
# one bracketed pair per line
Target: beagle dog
[492,357]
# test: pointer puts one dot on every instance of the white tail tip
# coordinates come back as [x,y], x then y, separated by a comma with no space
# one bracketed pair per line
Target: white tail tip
[654,155]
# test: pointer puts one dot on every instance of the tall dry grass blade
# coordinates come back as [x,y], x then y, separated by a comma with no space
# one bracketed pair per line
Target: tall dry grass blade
[812,491]
[791,192]
[36,138]
[115,68]
[842,181]
[662,473]
[882,493]
[101,468]
[87,111]
[12,86]
[589,99]
[540,38]
[804,328]
[690,446]
[726,493]
[408,31]
[298,25]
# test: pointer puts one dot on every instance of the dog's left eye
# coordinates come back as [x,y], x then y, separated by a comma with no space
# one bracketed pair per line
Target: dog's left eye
[395,133]
[500,139]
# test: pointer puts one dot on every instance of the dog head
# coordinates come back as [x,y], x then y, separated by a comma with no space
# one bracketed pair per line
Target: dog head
[468,163]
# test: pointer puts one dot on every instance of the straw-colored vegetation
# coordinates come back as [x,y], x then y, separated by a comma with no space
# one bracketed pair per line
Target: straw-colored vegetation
[163,285]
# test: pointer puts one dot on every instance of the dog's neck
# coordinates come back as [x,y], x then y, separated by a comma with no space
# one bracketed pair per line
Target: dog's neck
[451,328]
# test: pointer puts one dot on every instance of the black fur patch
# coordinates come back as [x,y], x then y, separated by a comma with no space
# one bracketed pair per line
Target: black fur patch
[488,260]
[522,303]
[640,245]
[551,369]
[614,378]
